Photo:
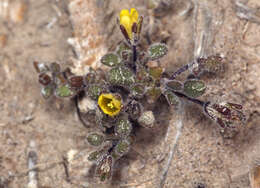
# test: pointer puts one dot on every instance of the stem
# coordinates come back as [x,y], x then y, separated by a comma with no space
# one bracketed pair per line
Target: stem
[134,57]
[197,101]
[181,70]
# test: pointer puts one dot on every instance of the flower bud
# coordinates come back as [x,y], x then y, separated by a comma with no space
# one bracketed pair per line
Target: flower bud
[146,119]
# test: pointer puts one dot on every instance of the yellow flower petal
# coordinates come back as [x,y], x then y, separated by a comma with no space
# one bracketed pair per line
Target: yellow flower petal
[127,19]
[134,15]
[124,12]
[109,104]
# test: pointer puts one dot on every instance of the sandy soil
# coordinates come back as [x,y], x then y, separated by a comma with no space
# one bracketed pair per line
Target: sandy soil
[203,157]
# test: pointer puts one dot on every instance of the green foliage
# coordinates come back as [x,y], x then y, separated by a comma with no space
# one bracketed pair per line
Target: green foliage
[95,139]
[137,90]
[123,128]
[153,94]
[64,91]
[122,147]
[131,87]
[47,91]
[94,91]
[157,51]
[172,98]
[194,88]
[121,75]
[110,60]
[94,156]
[174,85]
[155,72]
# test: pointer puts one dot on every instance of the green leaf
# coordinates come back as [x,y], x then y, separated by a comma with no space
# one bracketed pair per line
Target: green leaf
[122,76]
[137,90]
[153,94]
[63,91]
[94,156]
[122,147]
[95,139]
[157,51]
[47,91]
[194,88]
[123,128]
[94,91]
[122,47]
[110,60]
[156,72]
[174,85]
[171,98]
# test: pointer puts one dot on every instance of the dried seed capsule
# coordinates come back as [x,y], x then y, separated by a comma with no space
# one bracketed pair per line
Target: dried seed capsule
[157,51]
[76,81]
[95,139]
[123,128]
[146,119]
[44,79]
[227,115]
[212,64]
[122,147]
[194,88]
[110,60]
[104,167]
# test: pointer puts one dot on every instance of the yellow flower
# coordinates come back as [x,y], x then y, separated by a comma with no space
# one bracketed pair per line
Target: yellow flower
[127,19]
[109,104]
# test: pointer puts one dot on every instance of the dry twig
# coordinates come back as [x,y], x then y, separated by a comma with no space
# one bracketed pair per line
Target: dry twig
[179,125]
